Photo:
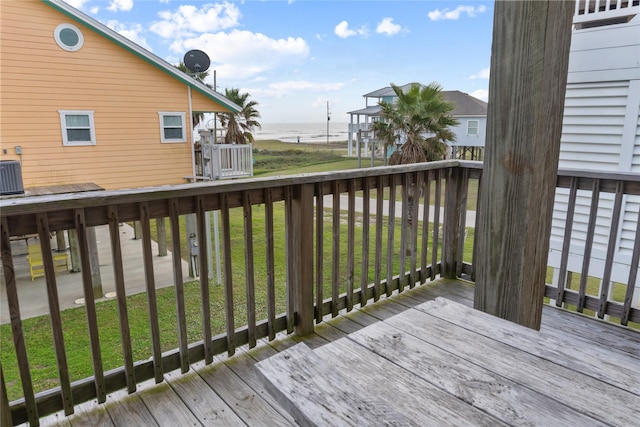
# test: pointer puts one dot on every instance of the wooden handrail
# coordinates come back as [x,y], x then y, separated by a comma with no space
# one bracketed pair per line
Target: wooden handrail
[400,253]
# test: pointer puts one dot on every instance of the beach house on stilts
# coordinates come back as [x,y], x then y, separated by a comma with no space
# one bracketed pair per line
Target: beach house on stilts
[469,111]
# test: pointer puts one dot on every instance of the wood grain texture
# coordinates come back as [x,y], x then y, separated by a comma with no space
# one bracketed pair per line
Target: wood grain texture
[201,400]
[523,368]
[615,369]
[241,398]
[305,384]
[524,124]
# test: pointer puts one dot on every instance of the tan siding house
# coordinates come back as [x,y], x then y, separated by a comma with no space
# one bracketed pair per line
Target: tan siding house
[86,105]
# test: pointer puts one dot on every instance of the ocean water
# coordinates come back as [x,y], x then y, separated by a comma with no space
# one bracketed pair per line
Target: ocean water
[313,133]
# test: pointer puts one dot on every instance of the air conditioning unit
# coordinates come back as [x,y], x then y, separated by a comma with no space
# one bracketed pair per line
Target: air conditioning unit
[10,178]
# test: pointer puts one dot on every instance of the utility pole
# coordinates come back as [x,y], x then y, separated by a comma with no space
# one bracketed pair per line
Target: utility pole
[328,120]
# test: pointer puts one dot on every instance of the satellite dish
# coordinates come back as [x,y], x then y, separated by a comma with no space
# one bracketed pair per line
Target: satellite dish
[197,61]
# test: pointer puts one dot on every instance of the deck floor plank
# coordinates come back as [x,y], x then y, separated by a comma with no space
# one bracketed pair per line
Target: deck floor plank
[481,388]
[128,410]
[521,367]
[89,413]
[166,406]
[593,329]
[201,400]
[615,369]
[241,398]
[243,365]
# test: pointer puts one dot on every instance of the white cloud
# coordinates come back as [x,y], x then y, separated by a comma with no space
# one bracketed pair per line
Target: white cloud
[132,32]
[387,27]
[94,10]
[471,11]
[483,74]
[188,20]
[117,5]
[243,54]
[343,31]
[482,94]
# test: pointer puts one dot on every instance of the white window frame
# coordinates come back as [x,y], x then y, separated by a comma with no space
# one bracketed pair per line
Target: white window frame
[70,48]
[477,127]
[162,115]
[63,125]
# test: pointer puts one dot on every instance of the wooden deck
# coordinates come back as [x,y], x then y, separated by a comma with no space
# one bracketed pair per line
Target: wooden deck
[450,367]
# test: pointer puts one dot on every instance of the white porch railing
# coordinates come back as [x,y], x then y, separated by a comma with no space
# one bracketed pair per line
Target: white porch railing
[227,160]
[355,127]
[596,10]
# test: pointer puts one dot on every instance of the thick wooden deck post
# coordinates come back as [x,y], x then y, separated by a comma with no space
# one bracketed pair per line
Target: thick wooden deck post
[529,62]
[302,258]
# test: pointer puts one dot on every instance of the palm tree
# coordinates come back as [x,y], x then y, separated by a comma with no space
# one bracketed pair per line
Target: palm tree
[419,120]
[198,116]
[240,125]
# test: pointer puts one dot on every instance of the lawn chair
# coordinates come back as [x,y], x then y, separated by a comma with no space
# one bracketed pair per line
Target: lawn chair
[36,265]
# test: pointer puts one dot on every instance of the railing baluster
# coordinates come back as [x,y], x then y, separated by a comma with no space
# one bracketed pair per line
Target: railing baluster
[54,312]
[249,274]
[289,242]
[436,224]
[415,194]
[228,275]
[593,215]
[364,270]
[301,222]
[633,276]
[611,250]
[335,262]
[319,251]
[178,284]
[16,325]
[271,289]
[351,233]
[378,245]
[150,282]
[464,208]
[404,221]
[5,409]
[203,266]
[90,305]
[391,220]
[426,183]
[566,245]
[123,314]
[474,257]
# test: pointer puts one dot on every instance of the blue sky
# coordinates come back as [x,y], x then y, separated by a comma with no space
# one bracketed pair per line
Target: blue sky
[294,56]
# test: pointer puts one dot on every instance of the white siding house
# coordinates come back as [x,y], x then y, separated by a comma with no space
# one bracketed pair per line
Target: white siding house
[469,111]
[601,129]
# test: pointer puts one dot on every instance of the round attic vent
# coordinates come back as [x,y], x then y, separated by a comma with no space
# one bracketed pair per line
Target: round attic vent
[68,37]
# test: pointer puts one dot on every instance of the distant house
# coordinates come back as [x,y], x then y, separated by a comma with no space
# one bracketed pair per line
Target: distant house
[470,112]
[601,129]
[83,104]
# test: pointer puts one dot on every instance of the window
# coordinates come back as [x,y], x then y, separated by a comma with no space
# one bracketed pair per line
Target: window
[77,128]
[473,127]
[172,127]
[68,37]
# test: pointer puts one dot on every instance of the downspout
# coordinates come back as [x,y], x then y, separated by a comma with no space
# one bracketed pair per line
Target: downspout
[193,146]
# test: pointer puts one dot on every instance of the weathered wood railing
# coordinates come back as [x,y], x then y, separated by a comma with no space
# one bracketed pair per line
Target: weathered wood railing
[348,239]
[297,201]
[597,235]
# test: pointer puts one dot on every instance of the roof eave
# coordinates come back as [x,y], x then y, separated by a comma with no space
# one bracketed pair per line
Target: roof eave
[142,53]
